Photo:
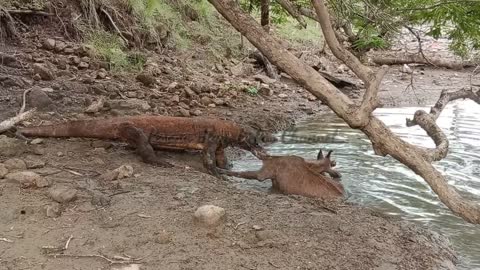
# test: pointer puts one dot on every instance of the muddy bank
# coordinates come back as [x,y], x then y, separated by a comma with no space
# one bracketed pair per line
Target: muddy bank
[146,217]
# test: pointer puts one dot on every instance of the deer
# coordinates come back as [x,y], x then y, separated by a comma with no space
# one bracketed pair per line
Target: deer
[298,176]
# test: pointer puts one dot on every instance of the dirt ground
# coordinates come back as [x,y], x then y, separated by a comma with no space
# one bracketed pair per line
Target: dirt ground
[145,220]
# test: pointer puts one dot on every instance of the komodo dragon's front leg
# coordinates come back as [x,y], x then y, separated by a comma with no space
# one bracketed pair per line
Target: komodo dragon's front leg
[139,140]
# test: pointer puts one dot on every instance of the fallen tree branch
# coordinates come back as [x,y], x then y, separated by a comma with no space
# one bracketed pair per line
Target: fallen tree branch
[115,260]
[21,116]
[419,59]
[28,12]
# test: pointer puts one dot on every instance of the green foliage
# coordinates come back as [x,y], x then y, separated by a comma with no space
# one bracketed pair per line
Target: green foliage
[110,47]
[252,90]
[456,20]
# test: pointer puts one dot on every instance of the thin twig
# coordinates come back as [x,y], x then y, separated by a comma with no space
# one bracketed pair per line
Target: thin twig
[6,240]
[114,25]
[68,242]
[28,12]
[419,40]
[24,101]
[117,260]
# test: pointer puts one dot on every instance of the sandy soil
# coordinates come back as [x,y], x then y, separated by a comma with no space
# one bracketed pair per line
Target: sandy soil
[148,216]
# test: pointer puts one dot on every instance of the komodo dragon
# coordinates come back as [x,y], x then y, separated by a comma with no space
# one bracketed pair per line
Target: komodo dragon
[147,133]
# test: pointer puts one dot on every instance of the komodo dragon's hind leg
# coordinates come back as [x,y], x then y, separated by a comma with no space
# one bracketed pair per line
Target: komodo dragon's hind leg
[138,139]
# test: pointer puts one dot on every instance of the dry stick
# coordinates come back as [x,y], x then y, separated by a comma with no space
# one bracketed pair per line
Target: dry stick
[28,12]
[114,25]
[419,40]
[119,260]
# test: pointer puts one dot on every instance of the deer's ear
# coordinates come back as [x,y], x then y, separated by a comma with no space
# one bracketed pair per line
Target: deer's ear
[320,155]
[329,153]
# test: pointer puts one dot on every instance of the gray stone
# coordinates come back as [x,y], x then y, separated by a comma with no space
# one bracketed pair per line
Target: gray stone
[44,72]
[209,215]
[53,210]
[25,178]
[15,164]
[62,194]
[3,170]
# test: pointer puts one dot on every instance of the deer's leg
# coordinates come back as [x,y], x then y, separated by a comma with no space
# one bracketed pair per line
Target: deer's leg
[209,157]
[221,159]
[140,141]
[246,174]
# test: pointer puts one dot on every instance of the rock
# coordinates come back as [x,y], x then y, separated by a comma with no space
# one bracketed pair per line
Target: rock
[33,162]
[282,95]
[40,100]
[37,77]
[163,238]
[197,112]
[3,170]
[209,215]
[62,194]
[237,70]
[312,98]
[184,112]
[75,60]
[41,182]
[124,171]
[342,68]
[205,100]
[48,44]
[218,101]
[129,104]
[131,94]
[406,69]
[265,90]
[190,93]
[60,46]
[53,210]
[308,110]
[44,73]
[69,51]
[175,99]
[146,79]
[264,79]
[121,172]
[15,164]
[172,86]
[83,65]
[25,178]
[101,74]
[10,147]
[100,199]
[37,141]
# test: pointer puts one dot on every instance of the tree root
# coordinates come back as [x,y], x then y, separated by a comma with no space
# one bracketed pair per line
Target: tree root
[8,31]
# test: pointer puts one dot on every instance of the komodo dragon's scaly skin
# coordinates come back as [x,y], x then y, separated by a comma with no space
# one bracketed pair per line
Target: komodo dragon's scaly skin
[162,132]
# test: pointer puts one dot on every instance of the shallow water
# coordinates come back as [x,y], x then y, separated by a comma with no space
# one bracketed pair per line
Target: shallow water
[386,184]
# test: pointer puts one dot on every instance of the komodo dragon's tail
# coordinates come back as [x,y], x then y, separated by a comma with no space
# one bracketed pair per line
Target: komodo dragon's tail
[100,129]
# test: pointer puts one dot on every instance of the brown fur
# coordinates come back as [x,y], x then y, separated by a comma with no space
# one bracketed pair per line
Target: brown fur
[162,132]
[295,175]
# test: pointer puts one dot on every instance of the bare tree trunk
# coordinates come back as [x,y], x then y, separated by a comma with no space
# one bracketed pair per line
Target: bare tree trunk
[359,116]
[265,14]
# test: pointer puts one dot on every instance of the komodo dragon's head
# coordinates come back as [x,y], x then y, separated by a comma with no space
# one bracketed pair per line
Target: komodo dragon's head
[253,140]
